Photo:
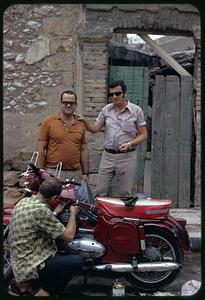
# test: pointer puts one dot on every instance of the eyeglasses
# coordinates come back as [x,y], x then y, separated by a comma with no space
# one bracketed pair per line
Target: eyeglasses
[65,103]
[116,94]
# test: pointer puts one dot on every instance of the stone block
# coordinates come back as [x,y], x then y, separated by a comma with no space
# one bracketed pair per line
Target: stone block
[94,162]
[11,195]
[38,50]
[11,178]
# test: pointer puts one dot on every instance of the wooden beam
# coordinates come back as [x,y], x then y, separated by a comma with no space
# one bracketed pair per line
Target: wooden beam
[170,60]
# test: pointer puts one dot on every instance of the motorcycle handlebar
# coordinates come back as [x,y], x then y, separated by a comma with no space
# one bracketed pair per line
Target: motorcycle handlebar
[37,172]
[82,204]
[90,211]
[70,181]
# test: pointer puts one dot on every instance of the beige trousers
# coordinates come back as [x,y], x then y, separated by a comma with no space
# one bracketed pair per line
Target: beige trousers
[121,165]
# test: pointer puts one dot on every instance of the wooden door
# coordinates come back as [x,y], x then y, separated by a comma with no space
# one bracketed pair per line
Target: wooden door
[171,139]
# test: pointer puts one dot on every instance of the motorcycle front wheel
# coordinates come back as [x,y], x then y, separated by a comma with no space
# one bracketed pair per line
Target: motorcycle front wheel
[8,273]
[161,246]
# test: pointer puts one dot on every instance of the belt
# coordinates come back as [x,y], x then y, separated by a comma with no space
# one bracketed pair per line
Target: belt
[118,151]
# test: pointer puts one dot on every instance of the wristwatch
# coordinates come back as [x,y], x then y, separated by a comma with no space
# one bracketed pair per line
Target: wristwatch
[129,145]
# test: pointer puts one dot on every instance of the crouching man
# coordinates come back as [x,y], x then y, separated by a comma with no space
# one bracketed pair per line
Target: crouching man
[33,231]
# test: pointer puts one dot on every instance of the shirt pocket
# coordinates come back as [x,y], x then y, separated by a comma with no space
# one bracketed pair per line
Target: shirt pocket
[129,126]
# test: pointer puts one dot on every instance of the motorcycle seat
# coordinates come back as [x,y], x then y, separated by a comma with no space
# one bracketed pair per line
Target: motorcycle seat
[143,208]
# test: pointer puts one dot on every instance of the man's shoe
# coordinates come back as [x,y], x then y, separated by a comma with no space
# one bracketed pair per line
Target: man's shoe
[14,290]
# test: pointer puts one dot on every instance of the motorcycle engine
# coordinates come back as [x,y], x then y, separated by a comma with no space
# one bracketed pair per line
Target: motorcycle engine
[87,247]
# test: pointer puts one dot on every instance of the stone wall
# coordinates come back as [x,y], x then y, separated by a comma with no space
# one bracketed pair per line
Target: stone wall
[155,18]
[38,64]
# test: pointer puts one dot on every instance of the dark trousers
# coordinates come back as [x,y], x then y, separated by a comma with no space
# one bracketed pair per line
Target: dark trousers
[58,270]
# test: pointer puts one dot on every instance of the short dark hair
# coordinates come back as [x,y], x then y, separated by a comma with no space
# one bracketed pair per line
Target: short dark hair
[69,92]
[50,187]
[113,83]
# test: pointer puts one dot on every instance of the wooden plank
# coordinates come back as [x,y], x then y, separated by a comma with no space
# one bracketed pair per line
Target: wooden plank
[170,60]
[186,105]
[157,136]
[142,148]
[169,187]
[140,90]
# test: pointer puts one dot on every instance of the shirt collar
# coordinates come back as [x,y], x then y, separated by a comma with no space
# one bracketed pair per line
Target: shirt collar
[41,200]
[128,106]
[58,117]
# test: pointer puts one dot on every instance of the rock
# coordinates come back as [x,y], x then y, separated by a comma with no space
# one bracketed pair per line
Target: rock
[190,287]
[11,195]
[38,50]
[11,178]
[20,58]
[8,67]
[34,24]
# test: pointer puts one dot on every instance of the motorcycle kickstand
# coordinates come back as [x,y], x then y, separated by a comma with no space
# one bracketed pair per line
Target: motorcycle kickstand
[85,280]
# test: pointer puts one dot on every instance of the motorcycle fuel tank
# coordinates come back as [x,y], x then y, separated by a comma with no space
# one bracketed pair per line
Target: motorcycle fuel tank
[143,208]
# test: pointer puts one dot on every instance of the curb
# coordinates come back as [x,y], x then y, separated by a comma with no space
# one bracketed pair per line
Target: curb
[195,242]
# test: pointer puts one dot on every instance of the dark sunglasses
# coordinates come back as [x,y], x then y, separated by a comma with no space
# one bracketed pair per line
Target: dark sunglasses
[65,103]
[116,94]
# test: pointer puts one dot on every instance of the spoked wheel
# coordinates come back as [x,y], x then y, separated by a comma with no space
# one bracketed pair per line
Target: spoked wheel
[161,246]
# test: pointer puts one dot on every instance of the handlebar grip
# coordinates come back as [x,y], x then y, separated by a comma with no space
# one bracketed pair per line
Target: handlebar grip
[72,182]
[35,169]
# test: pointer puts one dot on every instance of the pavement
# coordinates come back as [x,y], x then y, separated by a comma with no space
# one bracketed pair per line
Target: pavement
[101,283]
[193,217]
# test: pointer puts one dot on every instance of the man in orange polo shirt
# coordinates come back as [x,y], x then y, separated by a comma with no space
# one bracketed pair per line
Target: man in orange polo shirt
[62,138]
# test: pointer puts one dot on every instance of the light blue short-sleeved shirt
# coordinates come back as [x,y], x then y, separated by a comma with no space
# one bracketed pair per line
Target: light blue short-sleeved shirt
[120,127]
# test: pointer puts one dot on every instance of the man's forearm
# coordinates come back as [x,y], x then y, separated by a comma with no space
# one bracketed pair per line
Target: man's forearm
[41,149]
[70,228]
[92,127]
[41,160]
[140,138]
[85,161]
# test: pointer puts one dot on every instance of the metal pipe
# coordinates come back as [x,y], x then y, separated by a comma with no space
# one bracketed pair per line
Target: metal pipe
[141,267]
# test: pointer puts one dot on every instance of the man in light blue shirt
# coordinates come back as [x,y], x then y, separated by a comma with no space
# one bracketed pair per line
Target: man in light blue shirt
[124,128]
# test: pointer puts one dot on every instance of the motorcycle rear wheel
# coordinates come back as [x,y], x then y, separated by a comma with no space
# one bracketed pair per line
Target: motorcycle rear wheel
[161,245]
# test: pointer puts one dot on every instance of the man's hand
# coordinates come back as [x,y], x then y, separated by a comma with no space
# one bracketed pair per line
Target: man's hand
[124,147]
[74,210]
[80,118]
[85,177]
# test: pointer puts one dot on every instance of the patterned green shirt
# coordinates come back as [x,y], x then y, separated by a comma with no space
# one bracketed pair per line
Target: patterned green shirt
[33,230]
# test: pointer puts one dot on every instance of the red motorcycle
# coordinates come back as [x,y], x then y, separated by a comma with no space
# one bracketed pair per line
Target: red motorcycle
[134,236]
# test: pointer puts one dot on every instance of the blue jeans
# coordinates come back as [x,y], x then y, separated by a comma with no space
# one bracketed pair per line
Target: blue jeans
[58,270]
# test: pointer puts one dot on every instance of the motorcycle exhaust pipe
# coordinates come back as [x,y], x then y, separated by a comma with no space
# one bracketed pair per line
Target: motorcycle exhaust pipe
[141,267]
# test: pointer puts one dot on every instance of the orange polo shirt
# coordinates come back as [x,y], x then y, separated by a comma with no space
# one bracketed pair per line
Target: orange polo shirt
[63,143]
